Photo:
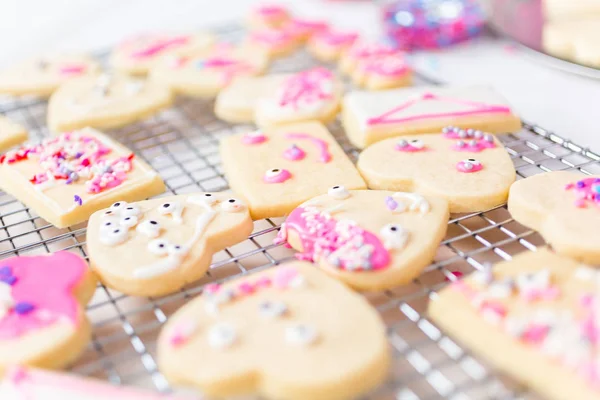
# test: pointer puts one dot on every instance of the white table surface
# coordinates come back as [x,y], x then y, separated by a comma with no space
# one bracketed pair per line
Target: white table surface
[555,100]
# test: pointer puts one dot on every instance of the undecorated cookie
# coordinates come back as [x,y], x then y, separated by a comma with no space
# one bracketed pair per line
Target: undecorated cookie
[11,133]
[66,178]
[42,310]
[469,168]
[267,16]
[369,117]
[138,54]
[369,239]
[534,318]
[205,75]
[565,208]
[289,332]
[106,101]
[275,170]
[42,76]
[21,383]
[313,94]
[155,247]
[329,44]
[574,39]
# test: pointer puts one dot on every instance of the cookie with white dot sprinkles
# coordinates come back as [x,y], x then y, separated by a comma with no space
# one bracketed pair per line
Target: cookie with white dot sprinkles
[276,169]
[469,168]
[290,332]
[155,247]
[369,239]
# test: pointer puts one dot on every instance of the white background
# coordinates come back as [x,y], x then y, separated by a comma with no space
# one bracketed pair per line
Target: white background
[556,100]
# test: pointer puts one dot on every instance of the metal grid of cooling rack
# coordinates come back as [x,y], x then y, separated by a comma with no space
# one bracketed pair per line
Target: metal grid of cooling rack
[182,145]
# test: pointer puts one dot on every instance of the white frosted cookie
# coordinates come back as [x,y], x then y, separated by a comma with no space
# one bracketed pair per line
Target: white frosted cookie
[565,208]
[11,133]
[137,55]
[470,169]
[21,383]
[574,39]
[66,178]
[267,16]
[533,318]
[42,310]
[369,239]
[155,247]
[274,170]
[106,101]
[329,44]
[289,332]
[314,94]
[42,76]
[205,75]
[369,117]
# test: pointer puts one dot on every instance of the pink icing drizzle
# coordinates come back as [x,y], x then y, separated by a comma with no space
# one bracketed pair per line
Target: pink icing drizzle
[301,27]
[587,191]
[363,50]
[160,45]
[390,66]
[294,153]
[461,167]
[72,69]
[46,283]
[229,67]
[271,11]
[282,176]
[308,87]
[272,38]
[324,156]
[340,244]
[335,39]
[478,108]
[252,138]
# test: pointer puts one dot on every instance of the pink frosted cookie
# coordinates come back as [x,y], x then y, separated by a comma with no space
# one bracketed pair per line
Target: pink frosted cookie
[274,170]
[207,74]
[138,54]
[289,332]
[369,239]
[42,316]
[274,42]
[42,76]
[565,208]
[267,16]
[534,318]
[66,178]
[383,72]
[469,168]
[362,50]
[369,117]
[21,383]
[328,45]
[304,29]
[155,247]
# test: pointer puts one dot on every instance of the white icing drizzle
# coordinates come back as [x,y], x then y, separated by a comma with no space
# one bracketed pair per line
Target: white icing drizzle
[416,202]
[113,236]
[394,236]
[300,334]
[174,208]
[221,336]
[533,280]
[114,230]
[150,228]
[206,199]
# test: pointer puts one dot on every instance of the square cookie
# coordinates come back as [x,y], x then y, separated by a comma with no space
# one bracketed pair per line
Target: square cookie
[533,318]
[11,133]
[277,169]
[66,178]
[369,117]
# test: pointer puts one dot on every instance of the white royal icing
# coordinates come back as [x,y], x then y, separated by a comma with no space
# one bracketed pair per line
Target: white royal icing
[394,236]
[221,336]
[300,334]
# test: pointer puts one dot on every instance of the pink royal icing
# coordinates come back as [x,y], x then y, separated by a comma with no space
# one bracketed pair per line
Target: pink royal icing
[469,166]
[342,244]
[324,154]
[272,38]
[469,140]
[294,153]
[307,87]
[301,27]
[252,138]
[410,146]
[159,45]
[41,288]
[271,11]
[587,191]
[228,67]
[74,69]
[277,175]
[477,109]
[388,66]
[335,39]
[361,50]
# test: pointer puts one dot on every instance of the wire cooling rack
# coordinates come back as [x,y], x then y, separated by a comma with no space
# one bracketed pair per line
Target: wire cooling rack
[182,145]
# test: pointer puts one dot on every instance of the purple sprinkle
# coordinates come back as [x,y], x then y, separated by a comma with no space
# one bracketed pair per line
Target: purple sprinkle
[78,154]
[6,270]
[10,280]
[390,203]
[24,307]
[78,200]
[581,184]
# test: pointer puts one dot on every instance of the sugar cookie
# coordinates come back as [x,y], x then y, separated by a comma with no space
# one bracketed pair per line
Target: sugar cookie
[273,42]
[138,54]
[206,75]
[362,50]
[106,101]
[369,239]
[565,208]
[267,16]
[329,44]
[42,315]
[66,178]
[369,117]
[534,318]
[574,39]
[21,383]
[289,332]
[470,169]
[155,247]
[42,76]
[304,28]
[277,169]
[11,133]
[382,72]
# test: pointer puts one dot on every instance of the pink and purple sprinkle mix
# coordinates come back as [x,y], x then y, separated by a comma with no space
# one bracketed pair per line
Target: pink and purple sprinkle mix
[588,191]
[78,200]
[72,157]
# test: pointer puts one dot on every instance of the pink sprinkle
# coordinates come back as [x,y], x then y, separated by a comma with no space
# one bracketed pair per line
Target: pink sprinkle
[496,308]
[245,288]
[17,374]
[580,203]
[212,288]
[549,293]
[535,333]
[586,300]
[72,69]
[262,282]
[457,274]
[283,276]
[181,333]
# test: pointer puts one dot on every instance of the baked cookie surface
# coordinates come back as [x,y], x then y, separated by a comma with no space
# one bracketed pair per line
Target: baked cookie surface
[11,133]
